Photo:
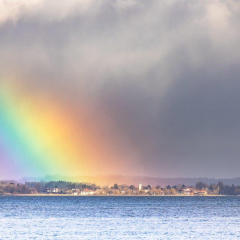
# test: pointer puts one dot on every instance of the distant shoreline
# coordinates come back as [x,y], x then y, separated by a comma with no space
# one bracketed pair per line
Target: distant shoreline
[71,195]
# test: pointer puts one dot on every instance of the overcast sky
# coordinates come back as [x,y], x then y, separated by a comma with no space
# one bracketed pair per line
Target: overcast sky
[166,74]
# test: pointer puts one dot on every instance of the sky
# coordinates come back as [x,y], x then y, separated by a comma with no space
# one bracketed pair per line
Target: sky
[126,87]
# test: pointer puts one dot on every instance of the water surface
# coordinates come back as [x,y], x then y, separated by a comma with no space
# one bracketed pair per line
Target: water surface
[119,218]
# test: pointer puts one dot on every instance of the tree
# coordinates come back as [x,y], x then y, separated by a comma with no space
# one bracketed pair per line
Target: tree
[132,187]
[200,185]
[221,188]
[213,187]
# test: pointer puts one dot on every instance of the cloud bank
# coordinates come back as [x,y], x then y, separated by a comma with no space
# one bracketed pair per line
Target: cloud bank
[163,74]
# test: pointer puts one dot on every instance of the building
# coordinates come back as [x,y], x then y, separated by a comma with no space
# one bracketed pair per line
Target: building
[140,186]
[87,192]
[187,191]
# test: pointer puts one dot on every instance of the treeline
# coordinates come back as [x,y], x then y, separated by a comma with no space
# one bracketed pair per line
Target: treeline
[14,188]
[42,186]
[8,187]
[219,188]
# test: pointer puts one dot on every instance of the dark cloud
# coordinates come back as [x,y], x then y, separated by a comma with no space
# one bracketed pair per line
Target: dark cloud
[166,73]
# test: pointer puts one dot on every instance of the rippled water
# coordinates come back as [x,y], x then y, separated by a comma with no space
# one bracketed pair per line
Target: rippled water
[119,218]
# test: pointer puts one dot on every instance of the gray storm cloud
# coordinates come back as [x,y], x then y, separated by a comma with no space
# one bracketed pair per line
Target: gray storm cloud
[165,72]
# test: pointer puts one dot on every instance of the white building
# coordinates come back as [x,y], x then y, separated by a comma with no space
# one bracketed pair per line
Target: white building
[139,186]
[87,192]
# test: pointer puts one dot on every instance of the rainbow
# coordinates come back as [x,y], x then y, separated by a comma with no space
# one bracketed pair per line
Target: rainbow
[38,136]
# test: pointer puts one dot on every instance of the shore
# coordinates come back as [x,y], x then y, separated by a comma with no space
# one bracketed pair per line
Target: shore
[71,195]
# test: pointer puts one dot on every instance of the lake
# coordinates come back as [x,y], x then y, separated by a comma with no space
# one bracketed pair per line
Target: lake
[119,217]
